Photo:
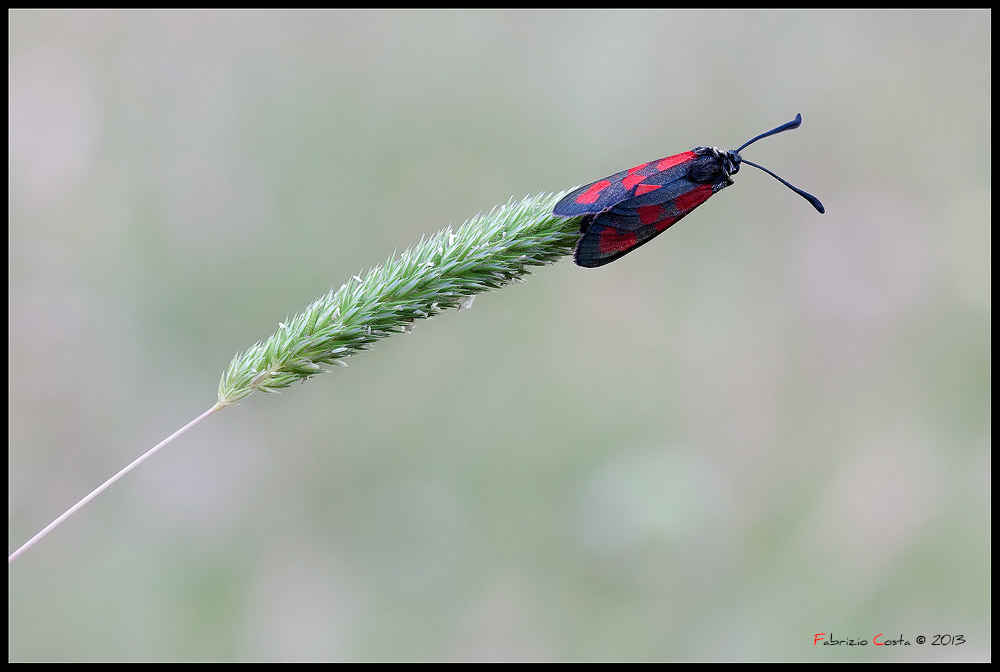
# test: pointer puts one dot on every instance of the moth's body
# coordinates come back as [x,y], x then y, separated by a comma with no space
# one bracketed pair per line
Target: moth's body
[630,208]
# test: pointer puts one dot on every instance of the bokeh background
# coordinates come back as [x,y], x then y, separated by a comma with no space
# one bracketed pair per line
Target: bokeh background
[766,424]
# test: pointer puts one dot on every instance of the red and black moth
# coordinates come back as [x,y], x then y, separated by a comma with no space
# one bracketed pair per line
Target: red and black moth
[630,208]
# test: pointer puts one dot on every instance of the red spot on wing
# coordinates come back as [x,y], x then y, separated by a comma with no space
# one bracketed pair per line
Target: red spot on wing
[593,192]
[674,160]
[692,199]
[635,176]
[646,188]
[612,241]
[663,215]
[632,180]
[649,214]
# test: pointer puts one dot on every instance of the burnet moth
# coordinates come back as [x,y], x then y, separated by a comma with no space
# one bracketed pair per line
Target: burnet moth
[630,208]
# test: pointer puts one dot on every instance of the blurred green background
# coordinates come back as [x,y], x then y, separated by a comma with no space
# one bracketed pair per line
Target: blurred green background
[764,425]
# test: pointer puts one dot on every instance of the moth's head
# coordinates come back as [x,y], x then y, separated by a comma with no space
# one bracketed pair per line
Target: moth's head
[713,165]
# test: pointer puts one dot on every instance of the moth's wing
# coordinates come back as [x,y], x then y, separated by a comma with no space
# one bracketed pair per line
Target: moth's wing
[624,227]
[628,184]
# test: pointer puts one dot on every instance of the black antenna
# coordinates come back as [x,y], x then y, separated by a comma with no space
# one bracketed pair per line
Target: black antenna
[794,123]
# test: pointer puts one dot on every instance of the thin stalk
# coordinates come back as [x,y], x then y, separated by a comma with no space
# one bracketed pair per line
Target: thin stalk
[107,484]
